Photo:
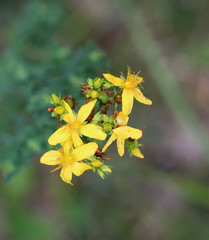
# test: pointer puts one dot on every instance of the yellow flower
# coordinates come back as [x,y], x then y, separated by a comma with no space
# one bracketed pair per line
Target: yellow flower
[75,126]
[130,90]
[70,162]
[121,133]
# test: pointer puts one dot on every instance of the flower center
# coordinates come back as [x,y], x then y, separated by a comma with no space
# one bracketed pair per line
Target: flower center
[132,81]
[66,160]
[75,125]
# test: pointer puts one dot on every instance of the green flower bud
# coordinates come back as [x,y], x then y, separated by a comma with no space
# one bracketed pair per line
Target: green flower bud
[97,117]
[111,119]
[118,96]
[92,158]
[55,99]
[88,93]
[105,118]
[90,82]
[97,82]
[54,114]
[101,174]
[69,102]
[94,94]
[114,123]
[107,85]
[103,97]
[107,127]
[106,168]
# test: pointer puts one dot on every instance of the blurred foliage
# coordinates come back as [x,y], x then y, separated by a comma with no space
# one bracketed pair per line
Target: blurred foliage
[34,66]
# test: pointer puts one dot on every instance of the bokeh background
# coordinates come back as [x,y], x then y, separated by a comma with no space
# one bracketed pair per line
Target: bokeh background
[50,46]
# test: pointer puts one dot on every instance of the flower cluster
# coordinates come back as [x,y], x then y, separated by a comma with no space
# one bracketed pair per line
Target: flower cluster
[80,134]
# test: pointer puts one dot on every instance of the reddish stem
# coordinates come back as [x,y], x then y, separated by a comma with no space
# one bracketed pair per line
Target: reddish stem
[143,128]
[58,120]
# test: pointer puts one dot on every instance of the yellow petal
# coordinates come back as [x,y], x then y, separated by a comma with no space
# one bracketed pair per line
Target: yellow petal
[76,139]
[136,152]
[68,117]
[84,151]
[110,140]
[92,131]
[67,145]
[66,174]
[80,168]
[122,119]
[51,157]
[126,132]
[127,101]
[134,133]
[140,97]
[120,146]
[85,111]
[122,132]
[60,135]
[114,80]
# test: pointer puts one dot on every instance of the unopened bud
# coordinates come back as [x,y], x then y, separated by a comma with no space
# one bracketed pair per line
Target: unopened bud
[107,127]
[105,118]
[111,119]
[97,83]
[90,82]
[97,117]
[96,163]
[94,94]
[59,110]
[69,102]
[103,97]
[107,85]
[87,93]
[136,152]
[105,169]
[55,98]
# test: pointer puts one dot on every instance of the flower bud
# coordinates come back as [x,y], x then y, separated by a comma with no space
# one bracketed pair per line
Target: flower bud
[59,110]
[97,117]
[90,82]
[111,119]
[107,85]
[96,163]
[69,102]
[136,152]
[55,98]
[105,168]
[54,114]
[87,93]
[105,118]
[94,94]
[101,173]
[103,97]
[97,82]
[107,127]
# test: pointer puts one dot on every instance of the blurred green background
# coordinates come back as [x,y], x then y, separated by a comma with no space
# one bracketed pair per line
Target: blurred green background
[50,46]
